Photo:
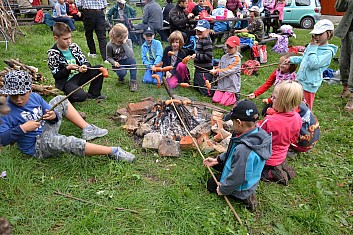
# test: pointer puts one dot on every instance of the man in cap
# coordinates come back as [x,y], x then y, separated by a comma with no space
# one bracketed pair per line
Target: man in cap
[242,164]
[256,26]
[121,12]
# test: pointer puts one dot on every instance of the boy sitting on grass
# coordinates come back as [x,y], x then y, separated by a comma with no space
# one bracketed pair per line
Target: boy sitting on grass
[242,164]
[69,65]
[41,139]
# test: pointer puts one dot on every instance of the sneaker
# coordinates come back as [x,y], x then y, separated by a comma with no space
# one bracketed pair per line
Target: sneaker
[133,86]
[121,80]
[100,97]
[91,132]
[92,55]
[251,203]
[121,155]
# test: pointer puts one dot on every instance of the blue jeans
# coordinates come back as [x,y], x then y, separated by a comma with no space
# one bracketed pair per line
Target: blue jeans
[122,73]
[70,22]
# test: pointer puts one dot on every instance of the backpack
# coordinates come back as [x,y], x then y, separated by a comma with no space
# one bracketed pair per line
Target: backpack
[39,17]
[250,67]
[259,53]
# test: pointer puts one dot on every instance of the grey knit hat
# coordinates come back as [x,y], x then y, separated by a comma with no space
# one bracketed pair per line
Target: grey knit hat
[16,82]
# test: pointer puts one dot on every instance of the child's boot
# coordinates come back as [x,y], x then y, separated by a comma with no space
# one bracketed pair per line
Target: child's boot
[133,86]
[349,105]
[251,202]
[345,92]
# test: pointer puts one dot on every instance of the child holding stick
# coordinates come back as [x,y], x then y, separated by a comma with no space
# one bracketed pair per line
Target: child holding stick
[41,139]
[120,53]
[242,164]
[229,73]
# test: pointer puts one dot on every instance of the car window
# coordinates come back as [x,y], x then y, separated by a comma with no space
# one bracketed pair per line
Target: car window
[288,3]
[302,2]
[317,3]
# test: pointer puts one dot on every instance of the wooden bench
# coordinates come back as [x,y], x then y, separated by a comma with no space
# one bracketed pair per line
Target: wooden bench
[25,15]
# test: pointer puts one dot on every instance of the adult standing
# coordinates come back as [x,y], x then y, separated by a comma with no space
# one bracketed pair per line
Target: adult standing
[344,31]
[152,16]
[94,21]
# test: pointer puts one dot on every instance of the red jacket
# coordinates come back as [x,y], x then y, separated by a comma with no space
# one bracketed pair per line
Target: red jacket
[285,129]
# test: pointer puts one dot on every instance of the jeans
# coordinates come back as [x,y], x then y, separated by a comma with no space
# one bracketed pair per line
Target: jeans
[70,22]
[122,73]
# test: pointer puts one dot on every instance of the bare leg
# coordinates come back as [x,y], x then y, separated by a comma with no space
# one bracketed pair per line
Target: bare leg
[95,149]
[75,117]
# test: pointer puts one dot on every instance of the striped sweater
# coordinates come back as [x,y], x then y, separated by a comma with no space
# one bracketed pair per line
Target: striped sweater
[204,53]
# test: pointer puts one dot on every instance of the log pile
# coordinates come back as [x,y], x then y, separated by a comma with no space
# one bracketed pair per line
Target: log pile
[38,78]
[8,22]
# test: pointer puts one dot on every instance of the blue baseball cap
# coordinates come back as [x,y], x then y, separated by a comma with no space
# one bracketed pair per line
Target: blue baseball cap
[202,25]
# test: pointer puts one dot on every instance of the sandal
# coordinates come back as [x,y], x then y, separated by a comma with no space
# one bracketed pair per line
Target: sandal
[349,105]
[345,93]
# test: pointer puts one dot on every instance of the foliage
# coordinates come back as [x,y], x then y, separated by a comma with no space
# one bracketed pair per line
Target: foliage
[170,193]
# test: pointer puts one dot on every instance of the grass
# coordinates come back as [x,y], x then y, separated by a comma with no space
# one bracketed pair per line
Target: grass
[170,193]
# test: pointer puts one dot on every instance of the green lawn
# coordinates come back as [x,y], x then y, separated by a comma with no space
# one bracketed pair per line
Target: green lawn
[170,193]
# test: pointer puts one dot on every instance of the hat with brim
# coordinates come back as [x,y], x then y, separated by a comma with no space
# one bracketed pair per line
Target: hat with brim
[202,25]
[121,1]
[245,110]
[233,41]
[148,30]
[255,9]
[16,82]
[322,26]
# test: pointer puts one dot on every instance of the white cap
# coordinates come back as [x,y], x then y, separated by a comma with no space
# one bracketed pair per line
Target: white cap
[121,1]
[255,8]
[322,26]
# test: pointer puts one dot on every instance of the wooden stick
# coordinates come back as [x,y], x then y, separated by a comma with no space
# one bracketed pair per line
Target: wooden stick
[72,92]
[94,203]
[208,168]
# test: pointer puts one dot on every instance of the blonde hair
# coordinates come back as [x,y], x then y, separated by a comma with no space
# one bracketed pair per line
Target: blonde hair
[176,35]
[289,96]
[118,34]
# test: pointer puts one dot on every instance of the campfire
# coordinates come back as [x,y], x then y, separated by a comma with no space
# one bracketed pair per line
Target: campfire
[165,125]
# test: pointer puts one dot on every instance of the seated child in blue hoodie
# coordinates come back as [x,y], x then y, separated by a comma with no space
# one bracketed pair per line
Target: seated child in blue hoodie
[242,164]
[152,54]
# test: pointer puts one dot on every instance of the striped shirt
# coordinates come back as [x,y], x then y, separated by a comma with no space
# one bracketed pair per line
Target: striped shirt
[204,53]
[91,4]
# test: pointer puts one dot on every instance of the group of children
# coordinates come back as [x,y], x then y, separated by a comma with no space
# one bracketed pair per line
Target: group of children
[256,150]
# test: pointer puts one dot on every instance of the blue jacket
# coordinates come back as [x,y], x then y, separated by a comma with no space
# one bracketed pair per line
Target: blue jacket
[313,63]
[10,130]
[244,161]
[220,26]
[157,53]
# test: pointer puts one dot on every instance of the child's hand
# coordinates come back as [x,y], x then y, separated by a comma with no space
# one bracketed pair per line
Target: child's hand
[168,74]
[265,101]
[286,61]
[191,15]
[219,192]
[193,56]
[210,162]
[49,115]
[251,96]
[116,64]
[30,125]
[214,72]
[82,69]
[72,67]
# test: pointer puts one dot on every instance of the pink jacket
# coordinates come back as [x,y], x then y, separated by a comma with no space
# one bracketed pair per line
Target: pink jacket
[280,7]
[285,128]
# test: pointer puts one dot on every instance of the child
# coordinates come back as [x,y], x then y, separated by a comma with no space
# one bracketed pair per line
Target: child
[242,164]
[59,14]
[68,65]
[284,125]
[120,53]
[180,72]
[201,6]
[316,59]
[41,139]
[152,54]
[72,10]
[283,72]
[203,57]
[229,73]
